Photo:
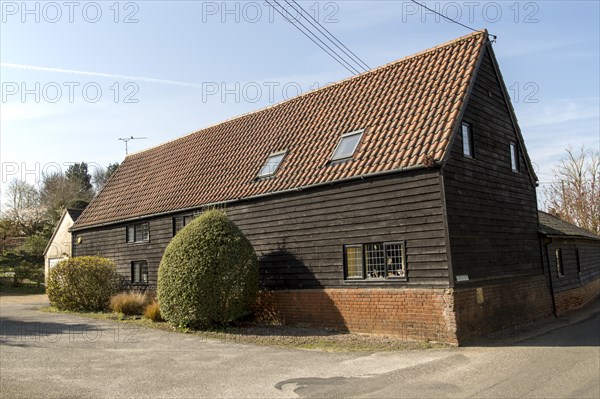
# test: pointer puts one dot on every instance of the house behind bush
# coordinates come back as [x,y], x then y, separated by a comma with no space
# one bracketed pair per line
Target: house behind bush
[60,244]
[399,201]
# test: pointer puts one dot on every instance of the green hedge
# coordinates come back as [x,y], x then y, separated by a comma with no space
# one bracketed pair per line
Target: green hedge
[83,283]
[208,274]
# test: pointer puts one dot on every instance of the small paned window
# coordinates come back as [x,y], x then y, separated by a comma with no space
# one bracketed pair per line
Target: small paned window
[139,232]
[179,222]
[559,262]
[514,157]
[375,261]
[139,272]
[394,258]
[347,145]
[271,164]
[467,139]
[354,261]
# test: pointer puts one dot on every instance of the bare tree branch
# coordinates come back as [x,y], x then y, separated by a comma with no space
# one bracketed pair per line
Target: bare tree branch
[574,195]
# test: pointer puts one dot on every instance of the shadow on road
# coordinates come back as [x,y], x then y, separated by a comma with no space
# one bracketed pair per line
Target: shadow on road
[578,331]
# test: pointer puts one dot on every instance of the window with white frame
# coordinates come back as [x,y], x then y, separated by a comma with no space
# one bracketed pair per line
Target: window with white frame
[467,139]
[375,261]
[514,157]
[271,164]
[347,145]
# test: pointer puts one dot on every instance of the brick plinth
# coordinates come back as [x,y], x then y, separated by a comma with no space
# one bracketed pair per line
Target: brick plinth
[500,307]
[576,298]
[413,314]
[455,316]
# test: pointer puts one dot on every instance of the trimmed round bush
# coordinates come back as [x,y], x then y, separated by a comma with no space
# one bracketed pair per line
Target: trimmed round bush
[84,283]
[208,274]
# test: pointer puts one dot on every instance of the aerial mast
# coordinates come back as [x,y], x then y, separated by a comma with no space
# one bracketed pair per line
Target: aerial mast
[126,140]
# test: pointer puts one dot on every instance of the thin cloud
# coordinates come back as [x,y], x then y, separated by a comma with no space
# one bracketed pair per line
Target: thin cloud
[101,75]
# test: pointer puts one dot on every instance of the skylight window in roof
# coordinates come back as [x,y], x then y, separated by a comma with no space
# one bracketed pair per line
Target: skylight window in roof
[271,164]
[347,145]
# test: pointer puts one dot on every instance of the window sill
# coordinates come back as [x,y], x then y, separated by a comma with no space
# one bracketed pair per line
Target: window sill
[138,242]
[380,281]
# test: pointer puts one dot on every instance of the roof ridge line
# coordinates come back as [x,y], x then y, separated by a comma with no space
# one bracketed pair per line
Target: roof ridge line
[310,92]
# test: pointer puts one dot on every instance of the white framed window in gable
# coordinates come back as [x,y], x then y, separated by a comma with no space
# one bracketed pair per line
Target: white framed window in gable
[271,164]
[514,157]
[347,145]
[467,140]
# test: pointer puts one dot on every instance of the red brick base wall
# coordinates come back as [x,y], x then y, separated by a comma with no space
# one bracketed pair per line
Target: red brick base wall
[413,314]
[500,307]
[454,316]
[576,298]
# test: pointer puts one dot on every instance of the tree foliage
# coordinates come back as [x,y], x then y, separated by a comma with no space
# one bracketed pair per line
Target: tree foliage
[23,208]
[30,215]
[208,274]
[26,261]
[59,191]
[77,173]
[101,176]
[574,195]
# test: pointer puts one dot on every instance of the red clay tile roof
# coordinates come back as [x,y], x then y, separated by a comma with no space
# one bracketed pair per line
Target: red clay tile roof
[408,108]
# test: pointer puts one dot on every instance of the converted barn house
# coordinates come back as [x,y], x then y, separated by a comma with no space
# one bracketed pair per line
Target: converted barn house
[571,256]
[399,201]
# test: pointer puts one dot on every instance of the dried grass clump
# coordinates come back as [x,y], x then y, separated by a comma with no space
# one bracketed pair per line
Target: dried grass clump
[152,312]
[129,303]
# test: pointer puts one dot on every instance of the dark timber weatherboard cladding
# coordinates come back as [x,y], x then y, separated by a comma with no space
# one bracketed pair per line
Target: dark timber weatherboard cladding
[589,257]
[492,211]
[299,237]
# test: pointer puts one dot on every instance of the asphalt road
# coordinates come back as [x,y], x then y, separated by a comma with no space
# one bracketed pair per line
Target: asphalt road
[45,355]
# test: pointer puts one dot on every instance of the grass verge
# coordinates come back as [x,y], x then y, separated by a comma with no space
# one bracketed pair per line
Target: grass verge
[306,338]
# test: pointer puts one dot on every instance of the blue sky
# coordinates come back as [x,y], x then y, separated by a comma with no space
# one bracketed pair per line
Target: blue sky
[78,76]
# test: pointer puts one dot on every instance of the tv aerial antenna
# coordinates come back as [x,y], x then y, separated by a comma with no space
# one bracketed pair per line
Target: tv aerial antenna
[126,140]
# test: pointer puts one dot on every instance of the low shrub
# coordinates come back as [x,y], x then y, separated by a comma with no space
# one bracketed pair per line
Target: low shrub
[152,312]
[129,303]
[84,283]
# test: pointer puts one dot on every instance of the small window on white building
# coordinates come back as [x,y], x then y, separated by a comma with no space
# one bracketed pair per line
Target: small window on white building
[271,164]
[347,145]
